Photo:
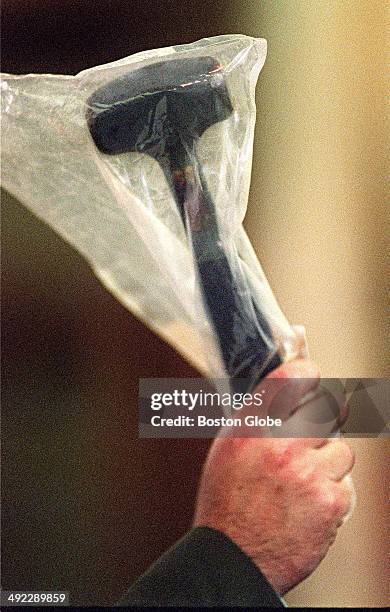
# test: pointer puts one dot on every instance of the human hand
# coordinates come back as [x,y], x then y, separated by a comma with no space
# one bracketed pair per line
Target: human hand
[280,500]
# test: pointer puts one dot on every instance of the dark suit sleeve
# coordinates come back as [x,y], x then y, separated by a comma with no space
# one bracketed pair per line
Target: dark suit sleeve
[205,568]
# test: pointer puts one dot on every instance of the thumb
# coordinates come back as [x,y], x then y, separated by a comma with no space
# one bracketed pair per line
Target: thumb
[284,388]
[280,392]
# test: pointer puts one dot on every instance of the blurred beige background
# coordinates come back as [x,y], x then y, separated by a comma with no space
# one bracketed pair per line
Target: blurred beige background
[319,179]
[81,492]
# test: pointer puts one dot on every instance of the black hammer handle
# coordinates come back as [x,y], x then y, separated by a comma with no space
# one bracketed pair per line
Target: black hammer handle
[244,336]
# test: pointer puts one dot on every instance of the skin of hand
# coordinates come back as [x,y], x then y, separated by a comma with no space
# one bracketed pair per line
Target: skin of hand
[281,500]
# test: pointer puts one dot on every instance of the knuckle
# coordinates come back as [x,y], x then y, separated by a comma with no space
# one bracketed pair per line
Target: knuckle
[295,475]
[341,505]
[344,449]
[301,475]
[343,454]
[304,476]
[349,454]
[327,503]
[280,456]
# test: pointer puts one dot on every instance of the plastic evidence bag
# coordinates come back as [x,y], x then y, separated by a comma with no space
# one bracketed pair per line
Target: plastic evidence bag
[143,165]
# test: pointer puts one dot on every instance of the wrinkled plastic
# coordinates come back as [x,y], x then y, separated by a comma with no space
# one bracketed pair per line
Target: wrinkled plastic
[164,235]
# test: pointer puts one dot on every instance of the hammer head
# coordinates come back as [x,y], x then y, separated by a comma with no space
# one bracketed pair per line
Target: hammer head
[155,108]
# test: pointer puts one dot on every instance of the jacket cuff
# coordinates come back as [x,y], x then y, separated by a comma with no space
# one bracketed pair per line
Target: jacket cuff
[205,568]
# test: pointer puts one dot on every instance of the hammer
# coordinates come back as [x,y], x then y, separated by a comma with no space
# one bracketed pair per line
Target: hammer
[162,110]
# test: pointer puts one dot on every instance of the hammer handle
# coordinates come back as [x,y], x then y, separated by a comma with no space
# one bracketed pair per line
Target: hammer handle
[244,336]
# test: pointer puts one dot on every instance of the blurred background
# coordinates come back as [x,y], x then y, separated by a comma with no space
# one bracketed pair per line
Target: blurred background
[86,505]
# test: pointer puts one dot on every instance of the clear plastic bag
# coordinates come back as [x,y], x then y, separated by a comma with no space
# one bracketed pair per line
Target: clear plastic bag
[143,165]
